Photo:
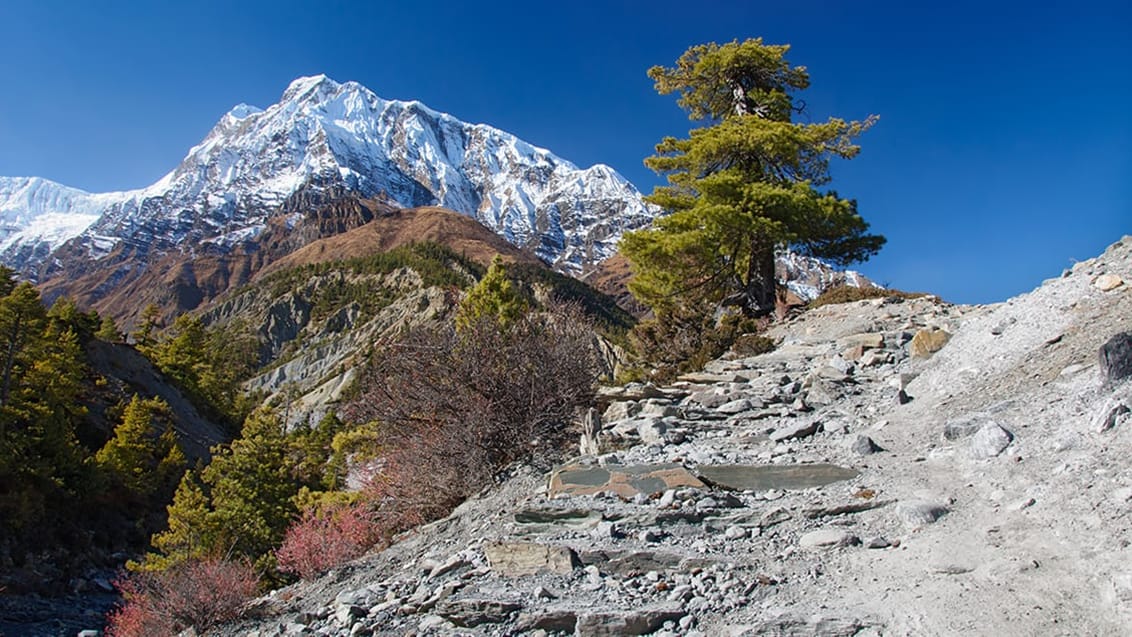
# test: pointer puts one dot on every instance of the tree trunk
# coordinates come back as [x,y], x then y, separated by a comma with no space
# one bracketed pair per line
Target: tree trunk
[762,284]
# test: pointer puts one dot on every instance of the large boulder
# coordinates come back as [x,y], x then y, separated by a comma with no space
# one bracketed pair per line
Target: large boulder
[1116,358]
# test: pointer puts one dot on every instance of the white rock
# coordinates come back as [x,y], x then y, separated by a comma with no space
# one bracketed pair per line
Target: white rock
[652,431]
[735,532]
[990,440]
[824,538]
[1106,282]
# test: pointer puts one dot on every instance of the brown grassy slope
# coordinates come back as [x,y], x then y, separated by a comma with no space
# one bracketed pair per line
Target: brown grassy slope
[458,232]
[612,277]
[123,283]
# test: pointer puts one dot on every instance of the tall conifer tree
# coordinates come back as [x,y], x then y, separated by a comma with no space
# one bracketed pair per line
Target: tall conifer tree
[745,184]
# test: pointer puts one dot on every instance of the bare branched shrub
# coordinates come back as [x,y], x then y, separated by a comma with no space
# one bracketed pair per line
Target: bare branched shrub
[685,339]
[456,407]
[198,594]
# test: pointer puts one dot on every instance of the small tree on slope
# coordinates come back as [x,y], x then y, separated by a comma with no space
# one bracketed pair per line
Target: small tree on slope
[743,185]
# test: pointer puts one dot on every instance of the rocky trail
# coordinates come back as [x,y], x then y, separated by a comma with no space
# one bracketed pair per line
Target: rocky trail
[894,467]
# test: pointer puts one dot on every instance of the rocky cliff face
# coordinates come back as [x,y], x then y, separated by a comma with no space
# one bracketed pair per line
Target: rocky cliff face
[310,349]
[893,467]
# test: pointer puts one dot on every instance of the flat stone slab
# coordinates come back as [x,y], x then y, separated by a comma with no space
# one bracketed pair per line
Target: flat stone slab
[707,378]
[871,340]
[626,481]
[516,559]
[764,477]
[554,520]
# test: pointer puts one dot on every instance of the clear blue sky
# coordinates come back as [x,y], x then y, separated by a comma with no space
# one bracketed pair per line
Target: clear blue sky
[1002,153]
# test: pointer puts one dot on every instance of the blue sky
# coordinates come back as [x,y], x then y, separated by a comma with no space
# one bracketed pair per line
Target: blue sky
[1001,156]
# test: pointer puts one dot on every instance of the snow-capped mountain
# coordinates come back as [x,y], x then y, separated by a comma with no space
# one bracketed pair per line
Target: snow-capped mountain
[327,133]
[37,215]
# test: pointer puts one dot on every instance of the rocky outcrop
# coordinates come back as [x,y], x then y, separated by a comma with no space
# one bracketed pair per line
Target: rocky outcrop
[997,505]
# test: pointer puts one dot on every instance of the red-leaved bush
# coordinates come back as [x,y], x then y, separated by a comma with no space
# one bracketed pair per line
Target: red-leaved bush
[324,539]
[199,593]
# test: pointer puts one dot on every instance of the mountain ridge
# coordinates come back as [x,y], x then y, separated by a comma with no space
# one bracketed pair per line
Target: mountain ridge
[326,134]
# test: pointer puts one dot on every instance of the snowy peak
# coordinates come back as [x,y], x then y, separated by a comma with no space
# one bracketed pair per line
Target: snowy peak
[243,111]
[307,86]
[37,215]
[326,135]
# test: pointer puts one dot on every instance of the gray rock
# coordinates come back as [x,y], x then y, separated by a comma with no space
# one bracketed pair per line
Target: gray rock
[433,622]
[735,406]
[624,481]
[832,374]
[826,538]
[652,431]
[638,622]
[467,613]
[621,410]
[917,514]
[708,398]
[535,520]
[1110,415]
[811,627]
[990,440]
[864,445]
[869,340]
[764,477]
[798,429]
[823,392]
[959,429]
[556,620]
[840,364]
[902,397]
[659,408]
[879,542]
[735,532]
[454,564]
[1116,358]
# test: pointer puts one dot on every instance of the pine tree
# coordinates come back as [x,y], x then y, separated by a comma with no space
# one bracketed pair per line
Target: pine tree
[493,297]
[241,504]
[743,185]
[144,335]
[143,453]
[108,330]
[193,532]
[41,463]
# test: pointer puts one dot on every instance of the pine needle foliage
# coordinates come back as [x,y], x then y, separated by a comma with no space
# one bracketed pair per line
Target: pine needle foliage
[748,182]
